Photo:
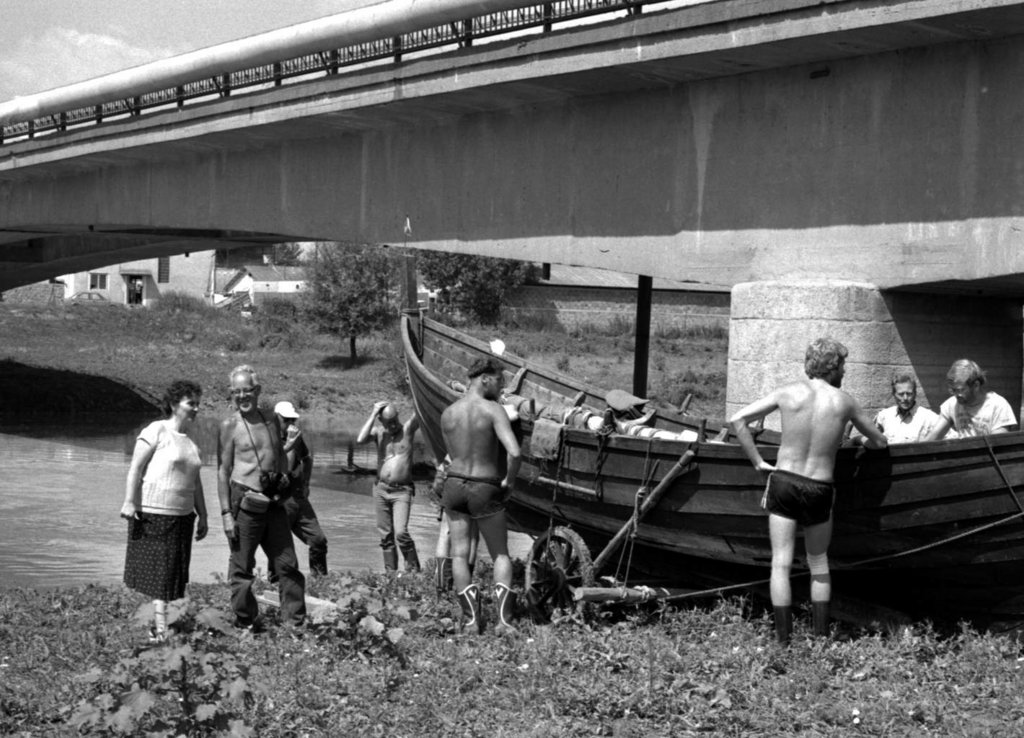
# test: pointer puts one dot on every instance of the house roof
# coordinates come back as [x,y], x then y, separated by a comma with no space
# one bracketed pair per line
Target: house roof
[223,278]
[272,273]
[574,276]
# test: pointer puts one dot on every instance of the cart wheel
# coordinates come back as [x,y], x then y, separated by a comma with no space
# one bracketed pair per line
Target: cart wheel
[559,559]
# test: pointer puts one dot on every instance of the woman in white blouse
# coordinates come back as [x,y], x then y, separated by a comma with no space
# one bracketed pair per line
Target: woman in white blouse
[163,503]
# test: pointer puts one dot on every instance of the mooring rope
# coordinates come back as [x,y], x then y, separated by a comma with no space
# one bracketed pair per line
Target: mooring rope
[855,564]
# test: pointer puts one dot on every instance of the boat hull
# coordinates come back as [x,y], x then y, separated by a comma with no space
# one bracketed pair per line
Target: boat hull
[932,529]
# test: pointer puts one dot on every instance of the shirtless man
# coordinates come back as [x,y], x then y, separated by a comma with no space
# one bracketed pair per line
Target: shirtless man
[251,483]
[476,429]
[800,489]
[393,492]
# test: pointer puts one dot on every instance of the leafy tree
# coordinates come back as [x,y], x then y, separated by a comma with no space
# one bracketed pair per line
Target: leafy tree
[349,290]
[477,285]
[281,254]
[286,254]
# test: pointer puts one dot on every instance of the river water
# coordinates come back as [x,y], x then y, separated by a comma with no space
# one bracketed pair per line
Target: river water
[64,484]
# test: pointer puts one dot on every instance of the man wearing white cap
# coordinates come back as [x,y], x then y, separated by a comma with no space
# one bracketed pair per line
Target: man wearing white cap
[301,516]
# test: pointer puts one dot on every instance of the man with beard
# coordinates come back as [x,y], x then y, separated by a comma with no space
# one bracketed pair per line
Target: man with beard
[972,410]
[800,488]
[251,485]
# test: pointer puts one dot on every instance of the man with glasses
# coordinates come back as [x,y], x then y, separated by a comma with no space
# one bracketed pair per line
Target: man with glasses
[972,410]
[252,483]
[906,421]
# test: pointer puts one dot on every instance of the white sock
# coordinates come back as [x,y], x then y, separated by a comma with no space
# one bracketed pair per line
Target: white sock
[160,616]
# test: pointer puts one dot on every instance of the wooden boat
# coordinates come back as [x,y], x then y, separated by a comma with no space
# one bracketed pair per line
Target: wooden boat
[932,529]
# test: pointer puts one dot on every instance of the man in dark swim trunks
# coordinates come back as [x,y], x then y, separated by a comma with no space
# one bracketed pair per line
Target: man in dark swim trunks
[800,490]
[476,429]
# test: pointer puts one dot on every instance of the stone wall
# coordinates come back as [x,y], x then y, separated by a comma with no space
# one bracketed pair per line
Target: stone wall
[772,323]
[573,307]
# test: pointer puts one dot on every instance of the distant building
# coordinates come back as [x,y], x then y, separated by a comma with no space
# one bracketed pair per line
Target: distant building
[143,282]
[582,296]
[249,285]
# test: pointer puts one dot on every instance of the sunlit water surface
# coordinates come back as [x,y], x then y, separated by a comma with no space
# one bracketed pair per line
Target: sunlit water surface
[64,485]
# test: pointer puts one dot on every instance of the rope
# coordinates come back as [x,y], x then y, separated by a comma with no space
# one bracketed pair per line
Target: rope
[862,562]
[638,499]
[999,469]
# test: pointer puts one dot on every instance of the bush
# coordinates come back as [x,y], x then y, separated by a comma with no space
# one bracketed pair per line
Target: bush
[177,303]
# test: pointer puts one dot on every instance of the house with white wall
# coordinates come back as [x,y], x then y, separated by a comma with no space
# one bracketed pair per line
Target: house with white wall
[143,282]
[262,282]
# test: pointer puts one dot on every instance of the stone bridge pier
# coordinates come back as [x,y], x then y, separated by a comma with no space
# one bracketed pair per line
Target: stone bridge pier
[772,322]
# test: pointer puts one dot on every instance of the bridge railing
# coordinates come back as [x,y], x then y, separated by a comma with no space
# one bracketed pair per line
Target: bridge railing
[393,49]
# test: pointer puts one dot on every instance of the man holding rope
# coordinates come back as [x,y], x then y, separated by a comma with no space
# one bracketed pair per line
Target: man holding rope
[800,487]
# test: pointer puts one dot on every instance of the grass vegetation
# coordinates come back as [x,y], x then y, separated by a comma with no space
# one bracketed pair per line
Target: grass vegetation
[181,337]
[687,361]
[389,662]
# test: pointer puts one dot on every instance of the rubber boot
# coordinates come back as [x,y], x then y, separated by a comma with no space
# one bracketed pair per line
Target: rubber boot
[783,624]
[505,601]
[819,616]
[318,561]
[443,581]
[469,598]
[412,561]
[390,559]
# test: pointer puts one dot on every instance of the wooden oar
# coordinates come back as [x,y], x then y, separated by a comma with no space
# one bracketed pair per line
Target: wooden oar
[646,506]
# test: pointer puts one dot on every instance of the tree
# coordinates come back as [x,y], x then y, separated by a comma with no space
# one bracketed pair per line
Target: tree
[349,290]
[286,254]
[478,285]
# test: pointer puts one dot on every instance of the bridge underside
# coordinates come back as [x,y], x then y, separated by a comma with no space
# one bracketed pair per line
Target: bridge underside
[34,256]
[855,140]
[870,147]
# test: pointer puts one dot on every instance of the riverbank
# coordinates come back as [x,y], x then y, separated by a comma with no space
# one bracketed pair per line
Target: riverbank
[387,661]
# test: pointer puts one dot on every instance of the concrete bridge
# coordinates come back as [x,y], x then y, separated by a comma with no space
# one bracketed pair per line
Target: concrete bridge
[850,167]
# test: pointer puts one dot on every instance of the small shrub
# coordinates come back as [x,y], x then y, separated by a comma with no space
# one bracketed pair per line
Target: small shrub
[177,303]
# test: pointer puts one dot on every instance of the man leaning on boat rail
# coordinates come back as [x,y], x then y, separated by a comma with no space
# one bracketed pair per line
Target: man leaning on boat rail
[972,410]
[906,421]
[800,489]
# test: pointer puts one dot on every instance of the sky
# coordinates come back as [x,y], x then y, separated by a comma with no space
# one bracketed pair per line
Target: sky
[51,43]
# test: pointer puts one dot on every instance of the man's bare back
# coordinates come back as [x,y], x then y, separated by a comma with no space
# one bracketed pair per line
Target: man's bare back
[814,418]
[473,429]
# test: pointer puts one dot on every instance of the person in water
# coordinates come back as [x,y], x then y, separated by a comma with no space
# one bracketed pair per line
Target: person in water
[394,489]
[301,515]
[800,488]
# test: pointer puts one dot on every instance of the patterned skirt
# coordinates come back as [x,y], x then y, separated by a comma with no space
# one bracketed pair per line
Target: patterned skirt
[158,556]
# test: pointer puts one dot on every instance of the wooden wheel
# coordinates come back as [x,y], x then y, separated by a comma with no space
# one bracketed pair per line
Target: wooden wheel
[559,560]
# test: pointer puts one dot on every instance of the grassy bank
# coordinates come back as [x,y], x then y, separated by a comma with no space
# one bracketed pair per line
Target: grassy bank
[146,349]
[388,662]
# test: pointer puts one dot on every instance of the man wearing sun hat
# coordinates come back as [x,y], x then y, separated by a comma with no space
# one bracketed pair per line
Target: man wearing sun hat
[301,516]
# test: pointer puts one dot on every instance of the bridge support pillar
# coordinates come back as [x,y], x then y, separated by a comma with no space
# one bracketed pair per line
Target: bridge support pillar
[772,323]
